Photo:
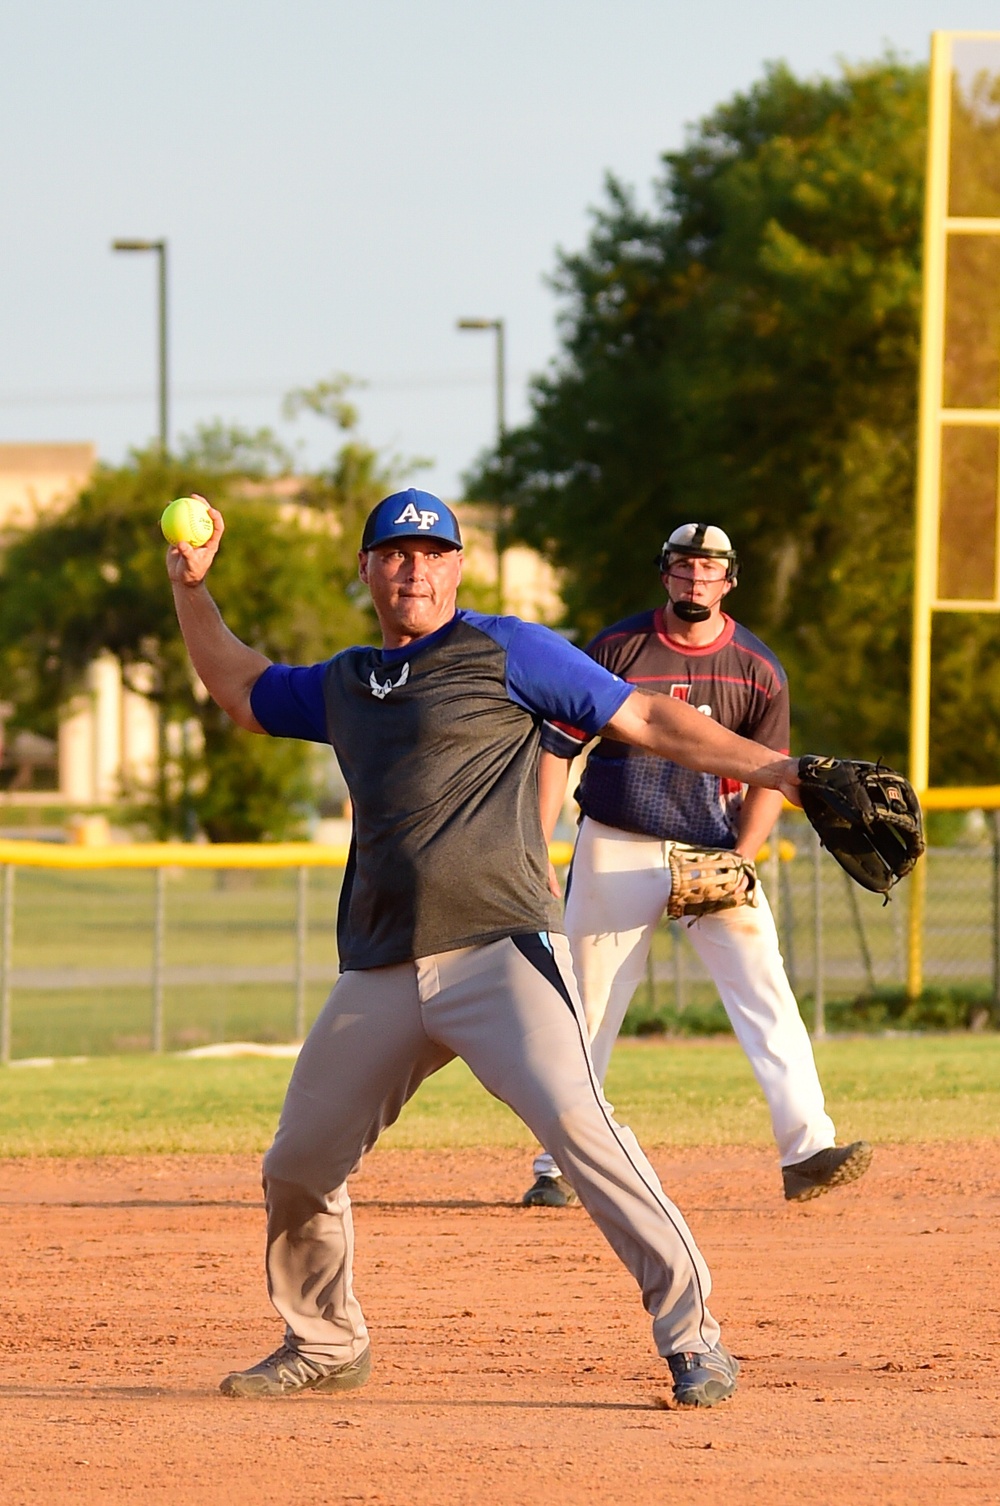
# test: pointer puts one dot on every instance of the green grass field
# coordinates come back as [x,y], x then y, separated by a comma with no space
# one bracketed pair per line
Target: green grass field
[897,1089]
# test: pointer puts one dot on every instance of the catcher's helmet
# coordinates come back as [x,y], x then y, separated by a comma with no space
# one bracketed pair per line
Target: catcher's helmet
[704,541]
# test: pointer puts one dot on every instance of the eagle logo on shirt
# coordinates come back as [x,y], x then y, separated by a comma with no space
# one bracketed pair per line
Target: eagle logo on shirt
[380,691]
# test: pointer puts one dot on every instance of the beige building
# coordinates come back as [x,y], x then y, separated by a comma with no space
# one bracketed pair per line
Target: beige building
[529,587]
[39,478]
[108,739]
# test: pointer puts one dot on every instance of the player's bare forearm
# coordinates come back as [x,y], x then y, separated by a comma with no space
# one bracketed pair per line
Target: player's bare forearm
[673,729]
[761,808]
[227,668]
[553,777]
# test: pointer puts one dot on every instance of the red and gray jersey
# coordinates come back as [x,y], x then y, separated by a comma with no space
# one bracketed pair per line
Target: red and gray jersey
[737,680]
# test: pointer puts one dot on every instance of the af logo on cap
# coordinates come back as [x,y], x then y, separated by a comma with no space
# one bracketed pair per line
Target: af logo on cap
[423,517]
[411,514]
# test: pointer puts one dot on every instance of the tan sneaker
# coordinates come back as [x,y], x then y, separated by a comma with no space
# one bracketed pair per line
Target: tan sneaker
[702,1380]
[286,1372]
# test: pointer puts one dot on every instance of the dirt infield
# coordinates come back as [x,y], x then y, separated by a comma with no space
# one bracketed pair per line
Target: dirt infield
[513,1362]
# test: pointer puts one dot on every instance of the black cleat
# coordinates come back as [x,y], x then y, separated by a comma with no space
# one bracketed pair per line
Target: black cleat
[702,1380]
[825,1170]
[286,1372]
[549,1192]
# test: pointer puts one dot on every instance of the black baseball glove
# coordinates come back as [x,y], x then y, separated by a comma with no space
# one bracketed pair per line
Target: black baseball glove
[866,815]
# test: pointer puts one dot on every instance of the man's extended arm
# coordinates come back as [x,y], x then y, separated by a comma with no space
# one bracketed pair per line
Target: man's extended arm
[673,729]
[227,668]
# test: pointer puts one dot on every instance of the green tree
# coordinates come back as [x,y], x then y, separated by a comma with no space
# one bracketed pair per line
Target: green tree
[745,352]
[93,579]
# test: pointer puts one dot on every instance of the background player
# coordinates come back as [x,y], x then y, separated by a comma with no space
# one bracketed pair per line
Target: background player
[448,936]
[634,805]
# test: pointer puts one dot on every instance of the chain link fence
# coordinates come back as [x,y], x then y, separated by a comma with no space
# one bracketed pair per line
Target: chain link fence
[170,957]
[846,951]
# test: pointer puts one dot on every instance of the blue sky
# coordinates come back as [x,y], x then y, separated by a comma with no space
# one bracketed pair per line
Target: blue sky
[339,180]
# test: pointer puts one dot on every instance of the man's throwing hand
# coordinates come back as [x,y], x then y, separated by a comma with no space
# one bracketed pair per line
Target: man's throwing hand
[188,566]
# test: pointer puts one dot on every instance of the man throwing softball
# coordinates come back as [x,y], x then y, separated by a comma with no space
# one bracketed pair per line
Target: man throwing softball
[636,806]
[450,941]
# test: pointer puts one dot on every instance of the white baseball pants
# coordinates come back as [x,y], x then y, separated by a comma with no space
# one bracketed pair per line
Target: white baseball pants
[620,884]
[511,1010]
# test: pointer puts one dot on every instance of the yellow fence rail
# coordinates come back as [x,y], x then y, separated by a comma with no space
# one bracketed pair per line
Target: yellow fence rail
[194,855]
[982,797]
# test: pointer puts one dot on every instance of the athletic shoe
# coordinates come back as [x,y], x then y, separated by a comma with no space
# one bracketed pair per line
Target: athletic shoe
[549,1192]
[825,1170]
[701,1380]
[286,1372]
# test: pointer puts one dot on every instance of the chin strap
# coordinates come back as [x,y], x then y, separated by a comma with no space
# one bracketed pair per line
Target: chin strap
[690,611]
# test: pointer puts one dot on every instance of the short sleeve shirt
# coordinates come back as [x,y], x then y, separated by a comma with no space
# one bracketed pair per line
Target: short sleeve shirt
[438,743]
[737,680]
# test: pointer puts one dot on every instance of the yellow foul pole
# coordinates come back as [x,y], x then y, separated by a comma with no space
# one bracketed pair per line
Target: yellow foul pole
[928,463]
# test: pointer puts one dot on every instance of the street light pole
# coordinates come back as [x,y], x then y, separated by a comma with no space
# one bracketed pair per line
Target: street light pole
[501,380]
[160,247]
[497,326]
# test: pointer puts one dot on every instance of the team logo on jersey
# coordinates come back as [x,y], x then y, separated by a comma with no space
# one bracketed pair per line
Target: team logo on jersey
[380,691]
[683,693]
[423,517]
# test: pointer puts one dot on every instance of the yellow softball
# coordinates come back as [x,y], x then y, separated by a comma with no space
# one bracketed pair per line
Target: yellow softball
[187,521]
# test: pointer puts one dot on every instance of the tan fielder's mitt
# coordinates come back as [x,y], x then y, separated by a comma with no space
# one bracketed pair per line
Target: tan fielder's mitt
[705,880]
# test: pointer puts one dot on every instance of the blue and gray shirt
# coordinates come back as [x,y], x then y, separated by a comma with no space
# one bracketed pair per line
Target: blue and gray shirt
[438,743]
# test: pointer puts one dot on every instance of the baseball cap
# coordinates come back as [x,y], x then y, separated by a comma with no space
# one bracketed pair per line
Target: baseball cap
[411,514]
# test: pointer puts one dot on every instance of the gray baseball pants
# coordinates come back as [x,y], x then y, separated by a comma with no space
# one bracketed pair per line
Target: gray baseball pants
[510,1009]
